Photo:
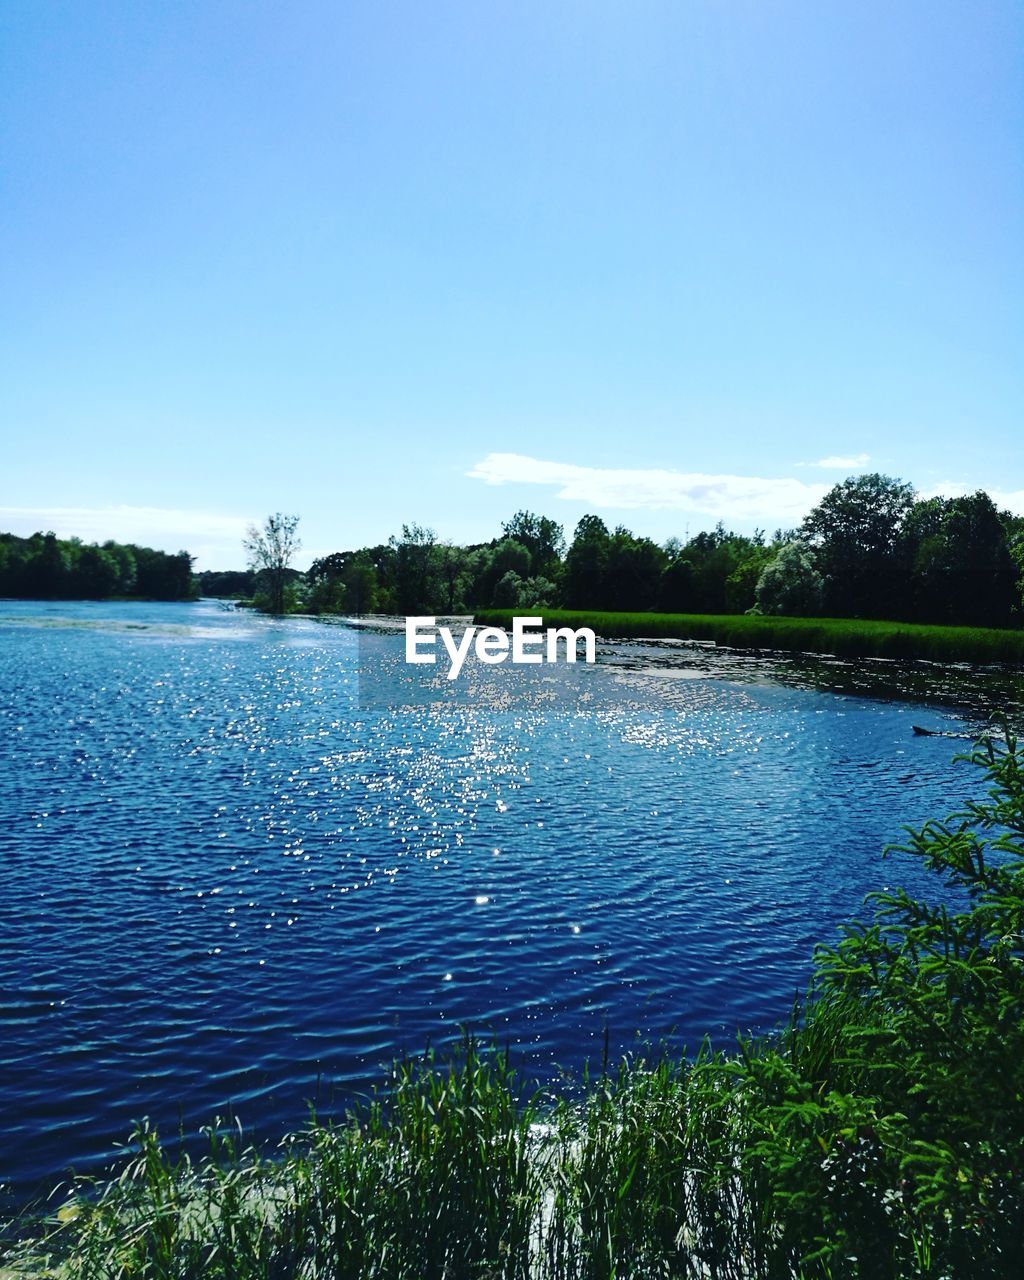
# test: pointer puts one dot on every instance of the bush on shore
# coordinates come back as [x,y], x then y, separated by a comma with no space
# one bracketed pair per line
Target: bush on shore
[880,1135]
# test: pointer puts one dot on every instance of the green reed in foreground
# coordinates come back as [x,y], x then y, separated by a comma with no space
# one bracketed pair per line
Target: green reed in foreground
[880,1135]
[845,637]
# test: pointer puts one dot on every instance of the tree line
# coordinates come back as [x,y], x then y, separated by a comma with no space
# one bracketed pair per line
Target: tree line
[870,549]
[45,567]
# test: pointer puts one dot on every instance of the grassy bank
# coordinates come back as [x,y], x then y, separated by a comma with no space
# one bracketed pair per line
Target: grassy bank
[879,1136]
[844,637]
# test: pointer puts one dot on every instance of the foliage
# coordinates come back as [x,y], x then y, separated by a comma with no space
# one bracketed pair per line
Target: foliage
[633,571]
[868,550]
[542,537]
[927,1056]
[513,592]
[586,564]
[790,584]
[51,568]
[351,581]
[496,562]
[270,551]
[961,566]
[856,531]
[239,583]
[415,569]
[741,583]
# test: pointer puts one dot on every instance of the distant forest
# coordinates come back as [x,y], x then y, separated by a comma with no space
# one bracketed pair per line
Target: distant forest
[45,567]
[870,549]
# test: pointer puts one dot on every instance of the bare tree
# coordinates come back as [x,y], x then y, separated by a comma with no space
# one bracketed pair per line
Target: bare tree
[270,551]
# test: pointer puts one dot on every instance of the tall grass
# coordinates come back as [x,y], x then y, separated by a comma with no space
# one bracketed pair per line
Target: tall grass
[844,637]
[880,1135]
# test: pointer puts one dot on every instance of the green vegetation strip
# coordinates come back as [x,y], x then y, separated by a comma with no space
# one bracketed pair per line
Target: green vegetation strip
[880,1135]
[843,637]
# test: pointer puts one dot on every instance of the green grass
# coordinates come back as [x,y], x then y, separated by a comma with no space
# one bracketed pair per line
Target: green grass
[844,637]
[879,1136]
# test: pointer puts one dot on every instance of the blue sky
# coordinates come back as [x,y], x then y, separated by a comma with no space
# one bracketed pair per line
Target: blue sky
[378,262]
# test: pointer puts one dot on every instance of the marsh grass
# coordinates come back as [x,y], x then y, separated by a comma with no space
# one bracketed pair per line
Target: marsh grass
[878,1136]
[843,637]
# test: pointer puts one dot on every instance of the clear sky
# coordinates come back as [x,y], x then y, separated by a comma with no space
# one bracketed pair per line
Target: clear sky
[374,263]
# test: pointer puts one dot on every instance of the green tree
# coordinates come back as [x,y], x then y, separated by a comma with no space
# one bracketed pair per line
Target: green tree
[48,570]
[270,551]
[715,572]
[676,590]
[542,537]
[124,558]
[416,564]
[790,584]
[507,591]
[327,589]
[962,567]
[237,583]
[856,531]
[1015,544]
[586,565]
[633,571]
[506,556]
[741,584]
[162,576]
[97,573]
[345,582]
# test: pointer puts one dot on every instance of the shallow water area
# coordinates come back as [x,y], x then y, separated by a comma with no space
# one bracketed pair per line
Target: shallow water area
[233,879]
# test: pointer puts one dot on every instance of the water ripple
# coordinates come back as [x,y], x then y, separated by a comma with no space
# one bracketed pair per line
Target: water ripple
[229,884]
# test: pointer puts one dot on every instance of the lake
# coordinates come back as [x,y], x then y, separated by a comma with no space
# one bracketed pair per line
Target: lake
[246,863]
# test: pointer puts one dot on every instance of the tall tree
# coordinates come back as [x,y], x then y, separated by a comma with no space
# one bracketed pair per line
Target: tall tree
[542,537]
[416,569]
[633,571]
[790,584]
[97,575]
[270,551]
[48,571]
[960,554]
[856,531]
[504,557]
[586,565]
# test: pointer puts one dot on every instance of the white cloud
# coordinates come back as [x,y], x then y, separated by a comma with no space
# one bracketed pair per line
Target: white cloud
[215,540]
[840,462]
[725,497]
[1005,499]
[1011,499]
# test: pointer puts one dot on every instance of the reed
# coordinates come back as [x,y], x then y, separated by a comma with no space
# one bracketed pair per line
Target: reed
[843,637]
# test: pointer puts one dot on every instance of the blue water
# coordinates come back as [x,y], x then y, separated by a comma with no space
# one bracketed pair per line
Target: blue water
[230,883]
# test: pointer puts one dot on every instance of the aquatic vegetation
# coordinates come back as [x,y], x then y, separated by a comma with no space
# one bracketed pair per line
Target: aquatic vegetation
[844,637]
[880,1134]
